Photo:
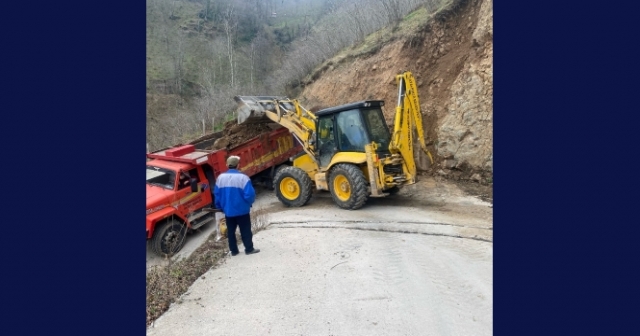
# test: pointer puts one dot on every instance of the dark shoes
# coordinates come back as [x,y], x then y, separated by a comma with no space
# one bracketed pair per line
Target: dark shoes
[255,250]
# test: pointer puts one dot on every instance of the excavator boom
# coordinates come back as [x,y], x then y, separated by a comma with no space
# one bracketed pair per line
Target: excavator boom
[407,117]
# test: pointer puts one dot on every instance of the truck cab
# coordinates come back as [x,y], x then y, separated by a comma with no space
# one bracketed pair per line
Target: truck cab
[178,188]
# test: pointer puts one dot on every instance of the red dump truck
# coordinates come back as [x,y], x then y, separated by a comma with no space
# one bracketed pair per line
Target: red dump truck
[180,181]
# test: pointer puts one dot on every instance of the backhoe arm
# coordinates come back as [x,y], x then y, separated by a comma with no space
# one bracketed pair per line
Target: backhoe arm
[407,116]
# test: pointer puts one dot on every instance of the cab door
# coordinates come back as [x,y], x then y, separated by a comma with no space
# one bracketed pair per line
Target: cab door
[327,145]
[188,201]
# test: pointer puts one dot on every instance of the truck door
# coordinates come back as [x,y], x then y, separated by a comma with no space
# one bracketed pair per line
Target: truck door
[326,140]
[189,201]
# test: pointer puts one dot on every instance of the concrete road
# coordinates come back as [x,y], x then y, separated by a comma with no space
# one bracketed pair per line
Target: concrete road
[418,264]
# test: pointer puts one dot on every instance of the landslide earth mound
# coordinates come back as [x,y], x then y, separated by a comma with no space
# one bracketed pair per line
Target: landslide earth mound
[450,53]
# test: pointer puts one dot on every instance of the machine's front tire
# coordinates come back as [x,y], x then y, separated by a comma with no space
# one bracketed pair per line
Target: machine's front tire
[293,186]
[348,186]
[169,238]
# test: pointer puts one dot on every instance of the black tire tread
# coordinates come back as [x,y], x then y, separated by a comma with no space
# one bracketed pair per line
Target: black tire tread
[358,184]
[160,231]
[303,179]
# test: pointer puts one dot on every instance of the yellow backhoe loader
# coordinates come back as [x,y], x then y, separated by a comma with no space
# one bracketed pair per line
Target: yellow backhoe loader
[348,149]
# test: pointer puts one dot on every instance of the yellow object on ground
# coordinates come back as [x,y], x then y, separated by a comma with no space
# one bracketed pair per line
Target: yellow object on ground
[223,227]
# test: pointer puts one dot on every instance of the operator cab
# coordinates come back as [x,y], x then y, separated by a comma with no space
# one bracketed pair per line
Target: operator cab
[349,127]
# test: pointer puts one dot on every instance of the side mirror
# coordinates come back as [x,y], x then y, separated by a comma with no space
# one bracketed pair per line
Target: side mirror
[194,185]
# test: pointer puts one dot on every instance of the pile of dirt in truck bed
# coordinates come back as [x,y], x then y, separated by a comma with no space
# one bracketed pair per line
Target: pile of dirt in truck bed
[235,134]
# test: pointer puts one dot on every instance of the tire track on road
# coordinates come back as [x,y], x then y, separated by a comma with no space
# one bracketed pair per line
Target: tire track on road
[303,225]
[383,222]
[389,269]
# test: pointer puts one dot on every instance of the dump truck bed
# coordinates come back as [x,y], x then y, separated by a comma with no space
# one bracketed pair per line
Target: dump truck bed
[260,153]
[256,155]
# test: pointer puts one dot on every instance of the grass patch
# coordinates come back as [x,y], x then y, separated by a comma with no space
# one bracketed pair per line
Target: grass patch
[409,25]
[166,284]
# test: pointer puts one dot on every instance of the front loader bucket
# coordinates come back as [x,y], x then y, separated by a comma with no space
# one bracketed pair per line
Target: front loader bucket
[251,110]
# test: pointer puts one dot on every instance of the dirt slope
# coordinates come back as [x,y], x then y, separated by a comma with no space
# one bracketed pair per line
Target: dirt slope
[451,57]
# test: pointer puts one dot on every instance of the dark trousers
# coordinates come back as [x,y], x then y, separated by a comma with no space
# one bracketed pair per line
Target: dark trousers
[244,222]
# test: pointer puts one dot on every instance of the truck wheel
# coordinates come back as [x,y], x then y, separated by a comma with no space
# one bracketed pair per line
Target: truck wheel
[271,185]
[293,186]
[169,238]
[348,186]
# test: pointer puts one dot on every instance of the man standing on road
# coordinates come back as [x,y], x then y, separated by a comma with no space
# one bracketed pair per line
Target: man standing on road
[234,195]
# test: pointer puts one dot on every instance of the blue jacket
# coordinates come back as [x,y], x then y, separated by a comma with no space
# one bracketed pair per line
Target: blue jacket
[234,193]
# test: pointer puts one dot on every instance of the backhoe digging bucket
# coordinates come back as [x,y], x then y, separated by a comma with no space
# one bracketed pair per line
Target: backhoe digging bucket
[251,109]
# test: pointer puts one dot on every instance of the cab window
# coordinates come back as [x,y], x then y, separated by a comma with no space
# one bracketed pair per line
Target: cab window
[352,133]
[184,180]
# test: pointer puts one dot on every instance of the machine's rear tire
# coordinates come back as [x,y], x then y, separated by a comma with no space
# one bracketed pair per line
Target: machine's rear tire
[293,186]
[348,186]
[169,238]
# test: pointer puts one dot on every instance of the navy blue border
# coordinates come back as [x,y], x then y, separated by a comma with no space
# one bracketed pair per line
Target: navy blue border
[73,135]
[565,180]
[566,119]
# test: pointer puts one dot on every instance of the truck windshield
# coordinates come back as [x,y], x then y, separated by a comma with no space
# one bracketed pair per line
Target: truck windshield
[377,128]
[161,177]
